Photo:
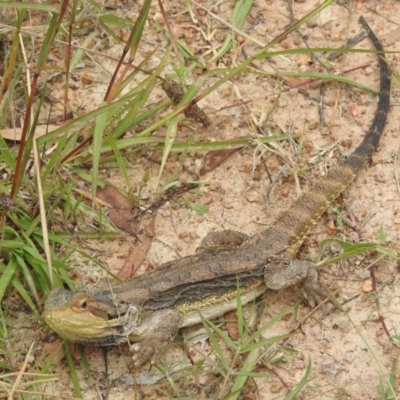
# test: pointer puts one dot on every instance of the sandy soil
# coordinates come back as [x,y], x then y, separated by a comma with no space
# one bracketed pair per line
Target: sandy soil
[350,352]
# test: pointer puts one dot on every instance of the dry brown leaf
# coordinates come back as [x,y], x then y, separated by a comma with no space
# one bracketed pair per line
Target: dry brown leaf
[121,216]
[54,351]
[392,38]
[214,158]
[121,208]
[87,79]
[15,134]
[55,347]
[232,327]
[139,252]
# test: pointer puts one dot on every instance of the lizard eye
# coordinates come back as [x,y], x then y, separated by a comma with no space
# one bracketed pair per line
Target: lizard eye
[84,305]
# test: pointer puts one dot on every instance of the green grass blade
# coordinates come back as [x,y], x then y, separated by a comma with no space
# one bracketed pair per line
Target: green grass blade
[99,129]
[297,389]
[24,294]
[28,6]
[72,371]
[81,121]
[243,375]
[239,15]
[140,23]
[120,161]
[268,325]
[209,326]
[7,273]
[45,49]
[8,155]
[266,342]
[169,141]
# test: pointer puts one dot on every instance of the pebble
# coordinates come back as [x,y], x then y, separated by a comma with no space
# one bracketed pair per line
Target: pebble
[253,197]
[367,286]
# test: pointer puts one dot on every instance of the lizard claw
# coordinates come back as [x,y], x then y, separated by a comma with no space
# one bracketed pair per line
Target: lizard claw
[282,271]
[313,289]
[152,336]
[147,350]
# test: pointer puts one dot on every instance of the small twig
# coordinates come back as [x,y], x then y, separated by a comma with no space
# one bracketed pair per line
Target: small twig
[172,38]
[396,174]
[67,64]
[20,374]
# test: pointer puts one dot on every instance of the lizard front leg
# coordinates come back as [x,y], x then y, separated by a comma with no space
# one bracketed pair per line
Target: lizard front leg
[283,271]
[153,334]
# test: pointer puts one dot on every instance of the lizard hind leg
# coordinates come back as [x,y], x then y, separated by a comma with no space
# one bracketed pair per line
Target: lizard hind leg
[283,271]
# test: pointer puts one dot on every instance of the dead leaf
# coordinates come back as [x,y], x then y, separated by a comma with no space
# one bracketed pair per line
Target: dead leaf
[214,158]
[292,81]
[54,351]
[87,79]
[139,252]
[232,327]
[15,134]
[121,216]
[55,347]
[121,208]
[392,38]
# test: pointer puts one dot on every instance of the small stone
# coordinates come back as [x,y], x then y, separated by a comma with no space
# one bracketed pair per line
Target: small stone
[169,166]
[313,22]
[346,143]
[253,197]
[276,387]
[86,79]
[344,326]
[331,228]
[367,286]
[183,235]
[247,166]
[207,198]
[187,239]
[303,59]
[284,192]
[215,186]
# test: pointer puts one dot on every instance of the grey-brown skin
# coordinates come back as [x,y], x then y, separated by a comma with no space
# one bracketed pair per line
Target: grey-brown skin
[151,308]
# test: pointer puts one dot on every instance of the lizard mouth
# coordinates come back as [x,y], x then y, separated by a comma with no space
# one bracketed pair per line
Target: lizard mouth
[104,341]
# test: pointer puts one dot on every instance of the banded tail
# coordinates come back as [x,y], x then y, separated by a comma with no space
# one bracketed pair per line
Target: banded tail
[294,224]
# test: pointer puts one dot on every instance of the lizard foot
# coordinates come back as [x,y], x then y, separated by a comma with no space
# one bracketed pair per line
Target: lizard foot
[153,334]
[283,271]
[148,350]
[315,292]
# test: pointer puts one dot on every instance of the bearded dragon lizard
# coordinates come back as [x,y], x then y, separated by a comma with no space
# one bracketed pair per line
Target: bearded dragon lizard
[149,310]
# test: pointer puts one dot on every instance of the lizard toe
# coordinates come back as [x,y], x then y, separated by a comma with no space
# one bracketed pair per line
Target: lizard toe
[147,350]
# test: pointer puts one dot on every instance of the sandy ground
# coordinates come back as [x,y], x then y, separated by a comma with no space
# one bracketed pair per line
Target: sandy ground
[350,352]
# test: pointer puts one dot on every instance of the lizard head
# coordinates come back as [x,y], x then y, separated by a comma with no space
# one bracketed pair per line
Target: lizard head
[88,319]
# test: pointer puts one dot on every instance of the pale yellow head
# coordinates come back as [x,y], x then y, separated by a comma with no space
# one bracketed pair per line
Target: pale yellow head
[82,318]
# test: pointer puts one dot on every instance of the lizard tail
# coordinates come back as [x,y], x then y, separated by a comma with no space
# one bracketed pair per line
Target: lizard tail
[293,225]
[371,140]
